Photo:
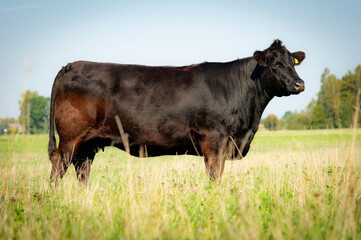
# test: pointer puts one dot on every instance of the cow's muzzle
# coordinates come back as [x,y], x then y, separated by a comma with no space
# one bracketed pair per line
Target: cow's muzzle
[298,86]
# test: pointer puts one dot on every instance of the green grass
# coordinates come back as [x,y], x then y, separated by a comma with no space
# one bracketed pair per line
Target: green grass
[292,185]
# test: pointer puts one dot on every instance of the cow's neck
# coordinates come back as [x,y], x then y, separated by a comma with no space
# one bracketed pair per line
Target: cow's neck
[254,87]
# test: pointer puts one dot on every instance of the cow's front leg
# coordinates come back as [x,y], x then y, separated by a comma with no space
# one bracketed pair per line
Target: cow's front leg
[82,169]
[83,161]
[213,148]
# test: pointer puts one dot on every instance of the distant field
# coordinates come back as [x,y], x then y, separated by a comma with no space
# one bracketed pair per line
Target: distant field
[291,185]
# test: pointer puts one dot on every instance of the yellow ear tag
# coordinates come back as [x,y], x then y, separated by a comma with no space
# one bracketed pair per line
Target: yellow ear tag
[296,61]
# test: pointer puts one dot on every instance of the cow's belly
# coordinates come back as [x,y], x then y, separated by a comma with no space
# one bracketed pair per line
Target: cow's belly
[155,151]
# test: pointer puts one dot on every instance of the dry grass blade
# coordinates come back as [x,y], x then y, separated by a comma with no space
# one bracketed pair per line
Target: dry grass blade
[195,148]
[234,143]
[123,135]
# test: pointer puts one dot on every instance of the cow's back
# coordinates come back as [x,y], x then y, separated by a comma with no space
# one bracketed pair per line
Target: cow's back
[156,105]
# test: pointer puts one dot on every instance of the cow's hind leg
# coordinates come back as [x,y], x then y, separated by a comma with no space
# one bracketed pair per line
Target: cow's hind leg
[82,163]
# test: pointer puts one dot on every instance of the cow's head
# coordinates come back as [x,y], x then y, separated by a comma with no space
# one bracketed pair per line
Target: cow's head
[280,69]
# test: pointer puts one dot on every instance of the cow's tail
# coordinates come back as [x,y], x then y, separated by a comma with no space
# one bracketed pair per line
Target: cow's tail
[52,140]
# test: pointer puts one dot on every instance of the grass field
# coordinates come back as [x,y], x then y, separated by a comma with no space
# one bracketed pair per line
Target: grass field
[292,185]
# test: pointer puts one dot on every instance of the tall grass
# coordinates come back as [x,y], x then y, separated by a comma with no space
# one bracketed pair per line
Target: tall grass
[292,185]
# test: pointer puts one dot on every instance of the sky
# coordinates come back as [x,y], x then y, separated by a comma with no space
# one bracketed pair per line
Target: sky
[39,37]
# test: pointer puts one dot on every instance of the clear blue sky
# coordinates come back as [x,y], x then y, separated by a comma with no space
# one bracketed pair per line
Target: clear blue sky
[39,37]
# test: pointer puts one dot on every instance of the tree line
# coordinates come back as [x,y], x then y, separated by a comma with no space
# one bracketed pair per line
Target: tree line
[337,105]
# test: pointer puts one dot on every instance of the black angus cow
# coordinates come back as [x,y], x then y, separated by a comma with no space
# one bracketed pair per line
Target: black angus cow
[202,109]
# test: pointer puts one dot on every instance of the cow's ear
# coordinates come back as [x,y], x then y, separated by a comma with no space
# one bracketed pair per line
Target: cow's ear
[260,58]
[298,57]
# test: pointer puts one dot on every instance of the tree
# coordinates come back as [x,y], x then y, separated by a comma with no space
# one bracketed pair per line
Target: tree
[296,120]
[357,96]
[350,95]
[39,114]
[34,112]
[271,122]
[25,107]
[329,98]
[318,117]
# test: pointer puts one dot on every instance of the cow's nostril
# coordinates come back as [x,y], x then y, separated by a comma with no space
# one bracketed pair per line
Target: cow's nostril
[299,87]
